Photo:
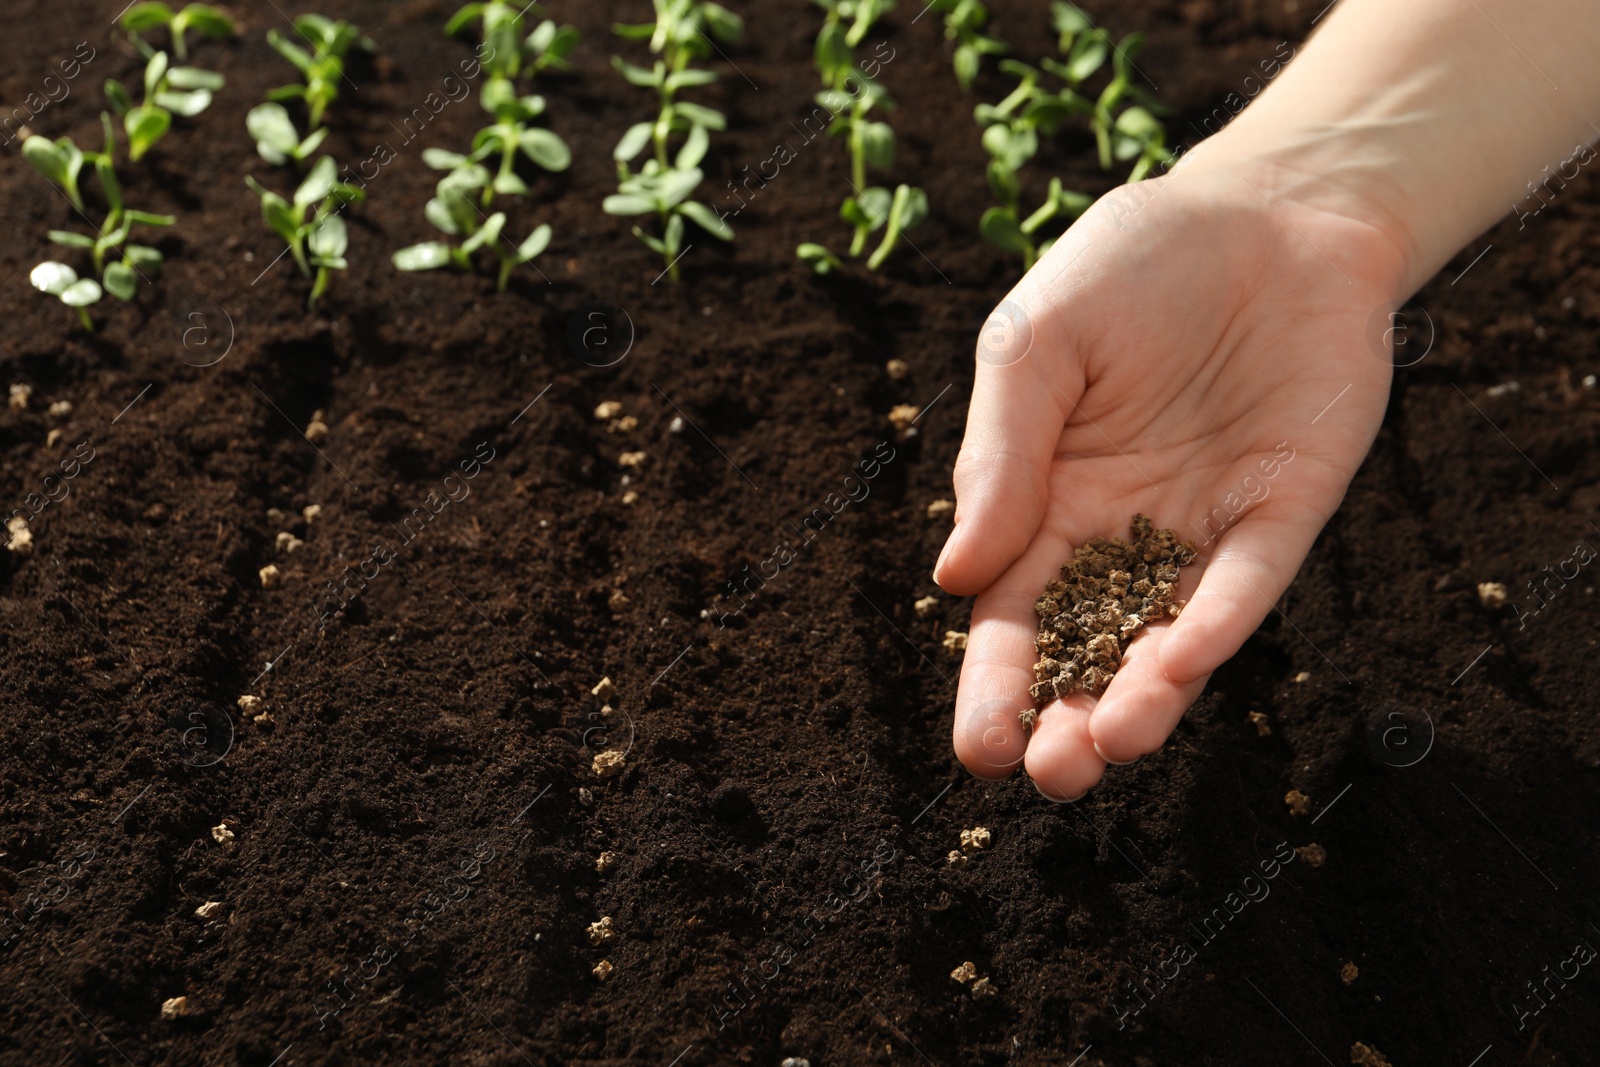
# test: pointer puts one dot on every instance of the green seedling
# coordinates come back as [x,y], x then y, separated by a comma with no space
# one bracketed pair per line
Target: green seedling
[510,53]
[510,134]
[63,283]
[60,161]
[1001,227]
[277,141]
[964,21]
[870,141]
[309,225]
[453,212]
[684,31]
[119,263]
[204,19]
[1084,48]
[322,67]
[168,91]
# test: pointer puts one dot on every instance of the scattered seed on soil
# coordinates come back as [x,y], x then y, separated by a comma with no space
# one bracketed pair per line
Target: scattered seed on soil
[609,764]
[1366,1056]
[209,909]
[1491,595]
[311,512]
[630,497]
[676,425]
[1297,802]
[604,688]
[61,407]
[926,606]
[618,601]
[975,839]
[1349,973]
[222,835]
[21,541]
[626,424]
[250,705]
[1106,593]
[585,798]
[607,410]
[955,641]
[897,368]
[287,542]
[52,437]
[602,970]
[605,861]
[902,415]
[316,430]
[21,393]
[957,858]
[1314,855]
[1258,719]
[964,973]
[1303,677]
[176,1008]
[630,459]
[795,1061]
[940,508]
[270,576]
[602,931]
[983,988]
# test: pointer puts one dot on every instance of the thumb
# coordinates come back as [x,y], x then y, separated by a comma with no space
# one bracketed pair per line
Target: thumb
[1013,425]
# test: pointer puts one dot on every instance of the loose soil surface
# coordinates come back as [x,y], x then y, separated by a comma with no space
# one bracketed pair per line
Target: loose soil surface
[412,871]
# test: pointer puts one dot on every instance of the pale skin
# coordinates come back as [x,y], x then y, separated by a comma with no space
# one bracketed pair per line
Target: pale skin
[1184,333]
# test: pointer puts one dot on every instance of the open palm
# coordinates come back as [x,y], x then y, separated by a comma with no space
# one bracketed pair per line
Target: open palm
[1191,350]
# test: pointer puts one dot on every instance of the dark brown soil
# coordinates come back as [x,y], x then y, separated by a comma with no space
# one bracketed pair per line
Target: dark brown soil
[413,874]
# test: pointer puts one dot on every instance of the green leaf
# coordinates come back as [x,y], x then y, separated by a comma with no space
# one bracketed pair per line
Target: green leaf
[1003,182]
[118,97]
[674,186]
[458,22]
[684,79]
[70,239]
[47,158]
[509,184]
[545,148]
[633,142]
[498,97]
[638,76]
[694,148]
[81,293]
[724,24]
[424,256]
[145,125]
[870,208]
[155,73]
[535,243]
[210,21]
[966,65]
[148,219]
[472,176]
[831,55]
[330,239]
[486,235]
[700,116]
[186,104]
[106,172]
[52,277]
[438,214]
[707,219]
[145,257]
[877,143]
[319,183]
[637,32]
[194,78]
[141,18]
[910,208]
[627,204]
[818,258]
[274,132]
[1069,18]
[121,281]
[1088,55]
[1000,228]
[290,51]
[440,159]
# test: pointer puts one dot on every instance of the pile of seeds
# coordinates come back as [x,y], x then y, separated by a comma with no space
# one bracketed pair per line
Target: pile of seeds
[1105,594]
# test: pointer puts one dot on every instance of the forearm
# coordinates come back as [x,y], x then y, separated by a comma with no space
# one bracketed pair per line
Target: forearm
[1430,119]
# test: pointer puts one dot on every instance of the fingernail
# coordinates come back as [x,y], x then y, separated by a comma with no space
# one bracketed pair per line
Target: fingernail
[1101,753]
[1057,800]
[943,552]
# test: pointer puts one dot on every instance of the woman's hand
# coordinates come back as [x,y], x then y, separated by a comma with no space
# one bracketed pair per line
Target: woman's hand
[1199,348]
